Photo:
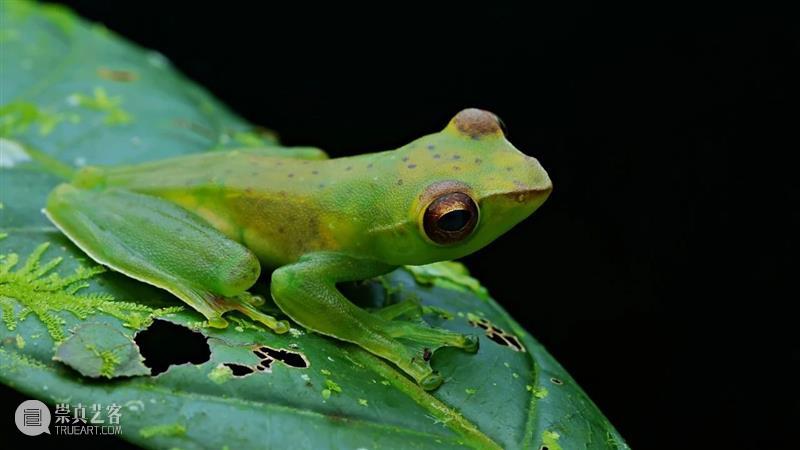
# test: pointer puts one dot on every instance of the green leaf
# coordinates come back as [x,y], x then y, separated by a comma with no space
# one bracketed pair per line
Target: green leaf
[72,94]
[100,350]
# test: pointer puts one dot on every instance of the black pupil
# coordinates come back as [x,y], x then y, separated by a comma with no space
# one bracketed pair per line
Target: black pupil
[454,220]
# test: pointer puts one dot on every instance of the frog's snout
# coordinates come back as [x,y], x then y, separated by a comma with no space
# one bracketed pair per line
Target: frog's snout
[538,186]
[533,188]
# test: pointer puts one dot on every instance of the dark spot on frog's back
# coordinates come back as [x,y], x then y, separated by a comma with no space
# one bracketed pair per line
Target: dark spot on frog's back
[477,123]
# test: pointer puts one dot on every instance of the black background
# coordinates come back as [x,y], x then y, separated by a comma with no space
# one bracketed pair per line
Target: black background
[661,271]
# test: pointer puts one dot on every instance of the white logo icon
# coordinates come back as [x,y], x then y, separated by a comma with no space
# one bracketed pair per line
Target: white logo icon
[32,418]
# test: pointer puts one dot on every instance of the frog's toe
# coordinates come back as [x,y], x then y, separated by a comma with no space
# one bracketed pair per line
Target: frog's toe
[431,382]
[247,304]
[471,343]
[216,322]
[277,326]
[433,338]
[281,326]
[255,300]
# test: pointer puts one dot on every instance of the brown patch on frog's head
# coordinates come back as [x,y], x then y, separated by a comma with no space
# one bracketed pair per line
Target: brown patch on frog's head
[477,123]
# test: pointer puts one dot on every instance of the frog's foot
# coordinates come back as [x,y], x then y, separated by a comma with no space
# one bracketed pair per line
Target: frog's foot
[247,304]
[405,322]
[306,292]
[405,325]
[422,341]
[431,338]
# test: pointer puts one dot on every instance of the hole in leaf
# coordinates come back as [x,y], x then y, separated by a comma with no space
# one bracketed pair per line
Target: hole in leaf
[496,334]
[555,380]
[497,338]
[164,344]
[514,342]
[482,324]
[239,370]
[290,358]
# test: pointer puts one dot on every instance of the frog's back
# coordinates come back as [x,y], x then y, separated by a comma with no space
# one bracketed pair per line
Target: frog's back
[215,171]
[279,207]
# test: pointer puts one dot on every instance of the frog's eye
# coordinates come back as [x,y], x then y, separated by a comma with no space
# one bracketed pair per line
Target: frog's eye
[450,218]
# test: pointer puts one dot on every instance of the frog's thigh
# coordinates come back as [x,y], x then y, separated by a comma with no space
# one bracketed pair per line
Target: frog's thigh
[160,243]
[306,291]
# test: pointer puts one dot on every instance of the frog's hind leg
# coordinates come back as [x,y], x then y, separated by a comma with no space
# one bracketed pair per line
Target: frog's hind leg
[306,291]
[162,244]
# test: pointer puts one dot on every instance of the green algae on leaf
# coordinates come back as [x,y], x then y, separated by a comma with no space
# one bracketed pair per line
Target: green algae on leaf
[99,350]
[34,288]
[16,118]
[111,106]
[550,440]
[220,374]
[171,429]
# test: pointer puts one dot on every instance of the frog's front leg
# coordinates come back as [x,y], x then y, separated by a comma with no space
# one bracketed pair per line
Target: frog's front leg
[160,243]
[306,291]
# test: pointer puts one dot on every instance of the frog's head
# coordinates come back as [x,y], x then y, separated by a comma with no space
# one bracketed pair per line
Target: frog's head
[462,188]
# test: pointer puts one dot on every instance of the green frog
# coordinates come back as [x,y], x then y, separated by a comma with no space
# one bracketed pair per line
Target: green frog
[202,227]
